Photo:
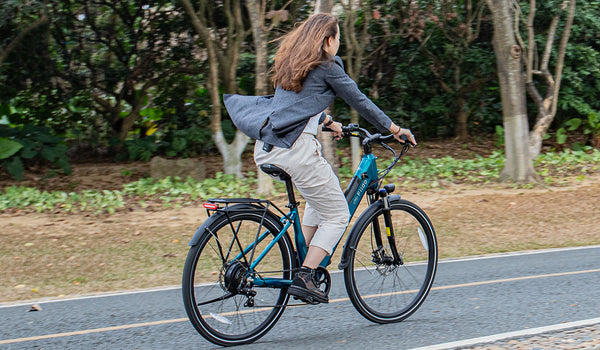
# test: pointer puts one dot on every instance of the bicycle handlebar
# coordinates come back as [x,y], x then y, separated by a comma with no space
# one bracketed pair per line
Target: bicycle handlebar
[354,130]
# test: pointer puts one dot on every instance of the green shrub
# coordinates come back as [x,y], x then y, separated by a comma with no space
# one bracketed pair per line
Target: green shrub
[37,145]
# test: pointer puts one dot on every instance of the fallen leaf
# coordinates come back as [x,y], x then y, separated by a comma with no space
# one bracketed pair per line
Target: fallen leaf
[35,290]
[175,240]
[170,255]
[28,244]
[35,307]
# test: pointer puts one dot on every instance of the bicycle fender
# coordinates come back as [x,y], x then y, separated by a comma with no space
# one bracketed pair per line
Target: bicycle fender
[200,231]
[353,235]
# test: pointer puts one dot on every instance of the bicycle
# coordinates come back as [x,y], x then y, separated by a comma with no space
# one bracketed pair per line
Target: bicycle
[389,257]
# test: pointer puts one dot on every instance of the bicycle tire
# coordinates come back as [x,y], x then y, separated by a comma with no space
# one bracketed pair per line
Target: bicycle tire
[387,293]
[210,270]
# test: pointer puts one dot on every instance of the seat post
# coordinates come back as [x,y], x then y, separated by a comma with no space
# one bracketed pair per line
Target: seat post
[290,191]
[285,177]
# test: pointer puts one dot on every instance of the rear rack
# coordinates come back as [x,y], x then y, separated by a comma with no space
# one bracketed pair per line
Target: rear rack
[227,205]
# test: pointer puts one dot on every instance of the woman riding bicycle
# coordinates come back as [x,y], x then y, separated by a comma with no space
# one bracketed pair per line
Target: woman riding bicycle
[307,77]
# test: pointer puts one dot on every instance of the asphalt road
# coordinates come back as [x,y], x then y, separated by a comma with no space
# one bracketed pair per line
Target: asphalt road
[472,297]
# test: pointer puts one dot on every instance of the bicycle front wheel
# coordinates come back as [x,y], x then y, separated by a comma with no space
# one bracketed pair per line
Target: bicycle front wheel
[219,300]
[383,290]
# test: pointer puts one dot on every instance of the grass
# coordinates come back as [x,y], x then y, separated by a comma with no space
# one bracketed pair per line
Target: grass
[175,192]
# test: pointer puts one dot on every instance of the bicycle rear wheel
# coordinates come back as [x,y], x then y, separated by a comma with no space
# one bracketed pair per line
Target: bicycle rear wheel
[381,290]
[219,301]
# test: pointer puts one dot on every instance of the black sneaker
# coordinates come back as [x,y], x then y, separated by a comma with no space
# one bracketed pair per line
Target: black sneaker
[304,287]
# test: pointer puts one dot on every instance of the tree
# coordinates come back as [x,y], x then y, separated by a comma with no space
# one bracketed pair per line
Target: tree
[119,51]
[260,33]
[259,36]
[328,146]
[356,37]
[223,47]
[518,164]
[546,105]
[453,56]
[17,20]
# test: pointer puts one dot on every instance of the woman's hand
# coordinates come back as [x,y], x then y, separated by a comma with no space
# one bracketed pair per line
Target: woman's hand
[335,127]
[336,130]
[398,132]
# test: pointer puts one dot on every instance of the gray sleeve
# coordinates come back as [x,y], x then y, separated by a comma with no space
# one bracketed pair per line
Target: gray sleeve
[348,90]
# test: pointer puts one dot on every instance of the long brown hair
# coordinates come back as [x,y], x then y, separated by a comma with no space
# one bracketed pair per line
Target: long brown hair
[301,50]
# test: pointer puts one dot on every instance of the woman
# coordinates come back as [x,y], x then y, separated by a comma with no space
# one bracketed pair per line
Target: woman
[307,77]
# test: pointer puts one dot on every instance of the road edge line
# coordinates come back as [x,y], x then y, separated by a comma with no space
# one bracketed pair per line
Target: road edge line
[502,336]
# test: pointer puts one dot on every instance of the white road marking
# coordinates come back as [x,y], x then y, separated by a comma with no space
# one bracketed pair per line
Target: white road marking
[500,336]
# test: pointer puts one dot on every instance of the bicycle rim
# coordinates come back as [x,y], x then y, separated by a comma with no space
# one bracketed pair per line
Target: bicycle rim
[215,267]
[386,293]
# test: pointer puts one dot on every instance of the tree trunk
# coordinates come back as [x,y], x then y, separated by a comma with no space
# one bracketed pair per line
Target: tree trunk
[518,166]
[231,153]
[327,143]
[356,44]
[546,105]
[259,35]
[462,116]
[355,146]
[323,6]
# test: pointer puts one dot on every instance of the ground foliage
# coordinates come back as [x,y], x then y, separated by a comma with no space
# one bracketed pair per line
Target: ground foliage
[151,194]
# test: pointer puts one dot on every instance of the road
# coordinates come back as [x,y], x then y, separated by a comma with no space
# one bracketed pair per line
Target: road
[472,297]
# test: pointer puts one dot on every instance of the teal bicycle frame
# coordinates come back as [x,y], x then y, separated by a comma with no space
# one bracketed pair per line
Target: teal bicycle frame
[365,177]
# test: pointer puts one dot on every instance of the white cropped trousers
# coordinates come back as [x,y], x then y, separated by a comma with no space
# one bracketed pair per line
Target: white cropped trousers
[326,206]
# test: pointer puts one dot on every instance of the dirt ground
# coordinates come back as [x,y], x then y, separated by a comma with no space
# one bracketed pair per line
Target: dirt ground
[51,255]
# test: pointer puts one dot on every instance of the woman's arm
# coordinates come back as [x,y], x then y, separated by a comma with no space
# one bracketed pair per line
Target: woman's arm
[348,90]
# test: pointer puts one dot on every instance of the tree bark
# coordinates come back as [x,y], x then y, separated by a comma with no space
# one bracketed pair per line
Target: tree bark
[323,6]
[231,153]
[547,105]
[327,143]
[355,48]
[518,166]
[259,36]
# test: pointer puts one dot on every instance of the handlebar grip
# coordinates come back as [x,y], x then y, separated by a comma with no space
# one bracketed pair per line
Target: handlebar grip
[326,129]
[405,139]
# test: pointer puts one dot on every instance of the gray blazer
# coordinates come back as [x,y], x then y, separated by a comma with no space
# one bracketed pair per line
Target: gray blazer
[279,119]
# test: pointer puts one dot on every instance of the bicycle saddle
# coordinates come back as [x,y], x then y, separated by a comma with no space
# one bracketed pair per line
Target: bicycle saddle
[275,171]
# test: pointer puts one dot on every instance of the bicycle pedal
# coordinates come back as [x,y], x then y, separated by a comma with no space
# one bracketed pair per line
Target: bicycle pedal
[307,301]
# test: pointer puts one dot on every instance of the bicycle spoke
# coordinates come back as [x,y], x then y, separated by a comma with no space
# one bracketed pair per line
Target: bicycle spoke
[226,296]
[230,310]
[395,289]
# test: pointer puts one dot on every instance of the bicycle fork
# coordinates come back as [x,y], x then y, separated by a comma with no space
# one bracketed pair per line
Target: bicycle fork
[380,255]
